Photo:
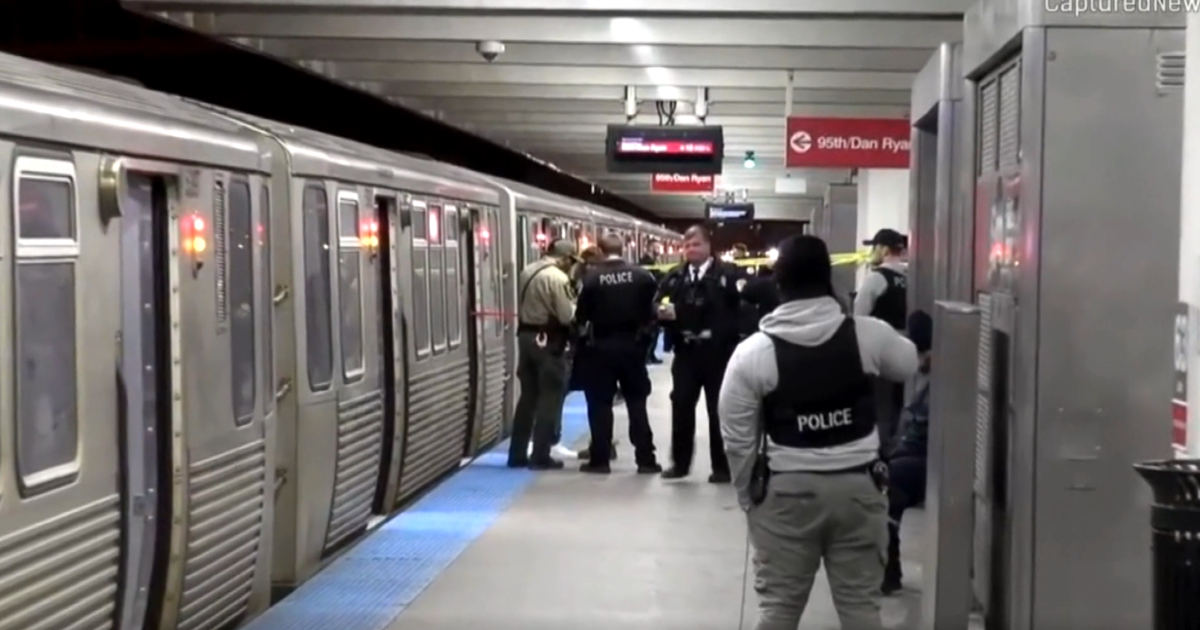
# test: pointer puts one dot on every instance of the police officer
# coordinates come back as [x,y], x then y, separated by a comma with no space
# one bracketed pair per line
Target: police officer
[801,389]
[616,307]
[884,295]
[656,330]
[701,319]
[884,292]
[545,309]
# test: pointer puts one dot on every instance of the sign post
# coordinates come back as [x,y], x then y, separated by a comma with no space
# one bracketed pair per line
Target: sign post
[848,142]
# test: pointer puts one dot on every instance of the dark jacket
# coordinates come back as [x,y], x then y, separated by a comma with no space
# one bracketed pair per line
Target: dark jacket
[914,423]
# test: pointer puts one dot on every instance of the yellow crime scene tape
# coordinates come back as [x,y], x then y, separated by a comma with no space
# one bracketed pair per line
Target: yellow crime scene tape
[854,258]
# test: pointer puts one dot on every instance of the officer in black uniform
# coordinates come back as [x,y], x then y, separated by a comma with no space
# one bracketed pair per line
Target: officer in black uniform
[616,312]
[884,295]
[701,320]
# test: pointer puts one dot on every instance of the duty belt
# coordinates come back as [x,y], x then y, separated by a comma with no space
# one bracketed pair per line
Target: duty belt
[690,336]
[549,329]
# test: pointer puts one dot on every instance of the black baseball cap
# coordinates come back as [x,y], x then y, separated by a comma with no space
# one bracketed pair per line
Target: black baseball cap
[889,238]
[803,268]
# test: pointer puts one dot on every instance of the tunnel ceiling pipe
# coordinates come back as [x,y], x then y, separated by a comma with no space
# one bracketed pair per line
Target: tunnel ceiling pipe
[700,109]
[631,103]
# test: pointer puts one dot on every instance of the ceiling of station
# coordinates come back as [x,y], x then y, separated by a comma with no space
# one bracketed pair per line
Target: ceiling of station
[566,64]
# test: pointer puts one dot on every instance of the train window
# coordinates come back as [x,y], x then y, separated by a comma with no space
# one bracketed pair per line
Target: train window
[453,288]
[47,402]
[420,281]
[523,238]
[418,220]
[497,261]
[318,303]
[451,227]
[350,286]
[46,209]
[240,280]
[437,286]
[267,298]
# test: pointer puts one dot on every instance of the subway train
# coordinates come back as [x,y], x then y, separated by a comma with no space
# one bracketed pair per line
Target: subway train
[232,345]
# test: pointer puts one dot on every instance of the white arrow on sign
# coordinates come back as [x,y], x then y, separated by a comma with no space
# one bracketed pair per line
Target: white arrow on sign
[800,142]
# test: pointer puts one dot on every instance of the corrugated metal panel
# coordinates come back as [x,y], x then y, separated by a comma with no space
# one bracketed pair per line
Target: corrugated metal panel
[436,434]
[226,496]
[493,397]
[989,107]
[1010,115]
[62,573]
[1170,71]
[359,450]
[983,410]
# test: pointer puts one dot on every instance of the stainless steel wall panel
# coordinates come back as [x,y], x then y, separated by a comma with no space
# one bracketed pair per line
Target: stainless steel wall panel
[1103,368]
[949,504]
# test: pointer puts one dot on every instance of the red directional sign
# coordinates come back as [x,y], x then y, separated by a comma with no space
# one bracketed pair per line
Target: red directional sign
[847,142]
[677,183]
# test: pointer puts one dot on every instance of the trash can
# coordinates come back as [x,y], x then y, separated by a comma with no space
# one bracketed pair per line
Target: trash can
[1175,526]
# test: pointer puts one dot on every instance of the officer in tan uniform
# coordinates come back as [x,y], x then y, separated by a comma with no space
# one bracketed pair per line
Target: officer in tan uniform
[545,308]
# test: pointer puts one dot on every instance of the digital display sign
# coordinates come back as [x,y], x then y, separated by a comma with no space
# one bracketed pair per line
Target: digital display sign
[729,212]
[685,150]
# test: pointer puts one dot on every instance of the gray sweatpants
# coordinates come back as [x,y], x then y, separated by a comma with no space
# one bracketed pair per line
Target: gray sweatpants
[806,518]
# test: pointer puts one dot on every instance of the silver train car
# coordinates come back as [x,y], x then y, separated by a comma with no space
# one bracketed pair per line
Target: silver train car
[234,345]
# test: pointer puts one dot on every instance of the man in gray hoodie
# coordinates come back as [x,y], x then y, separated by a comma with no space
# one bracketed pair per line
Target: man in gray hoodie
[797,415]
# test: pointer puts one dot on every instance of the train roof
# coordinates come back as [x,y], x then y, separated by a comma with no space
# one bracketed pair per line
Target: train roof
[318,154]
[44,102]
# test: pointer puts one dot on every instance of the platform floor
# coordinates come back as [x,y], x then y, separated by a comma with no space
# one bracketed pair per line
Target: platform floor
[514,550]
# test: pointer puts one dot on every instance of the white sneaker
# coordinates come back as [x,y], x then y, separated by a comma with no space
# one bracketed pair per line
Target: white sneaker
[562,452]
[558,451]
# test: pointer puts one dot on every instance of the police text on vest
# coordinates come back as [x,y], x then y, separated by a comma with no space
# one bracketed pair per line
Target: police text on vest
[825,421]
[619,277]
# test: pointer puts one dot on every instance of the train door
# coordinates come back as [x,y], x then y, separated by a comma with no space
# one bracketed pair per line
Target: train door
[218,459]
[60,499]
[488,326]
[145,378]
[438,412]
[360,403]
[392,344]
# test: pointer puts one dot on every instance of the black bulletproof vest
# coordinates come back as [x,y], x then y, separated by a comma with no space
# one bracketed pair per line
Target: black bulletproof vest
[892,306]
[823,398]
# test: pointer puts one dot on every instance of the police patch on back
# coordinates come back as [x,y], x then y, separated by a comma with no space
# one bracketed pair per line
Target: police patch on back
[616,278]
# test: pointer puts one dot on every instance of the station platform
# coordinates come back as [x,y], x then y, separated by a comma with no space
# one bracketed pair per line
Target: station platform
[516,550]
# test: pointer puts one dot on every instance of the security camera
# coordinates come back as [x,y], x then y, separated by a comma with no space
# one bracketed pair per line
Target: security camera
[489,49]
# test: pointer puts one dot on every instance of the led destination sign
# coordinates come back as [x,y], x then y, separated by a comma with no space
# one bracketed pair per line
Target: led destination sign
[729,211]
[684,150]
[664,147]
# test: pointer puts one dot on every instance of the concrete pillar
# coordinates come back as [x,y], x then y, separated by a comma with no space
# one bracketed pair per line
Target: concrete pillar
[1188,317]
[882,203]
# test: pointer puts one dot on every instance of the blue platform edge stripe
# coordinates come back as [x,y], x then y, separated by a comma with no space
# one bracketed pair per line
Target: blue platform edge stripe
[369,586]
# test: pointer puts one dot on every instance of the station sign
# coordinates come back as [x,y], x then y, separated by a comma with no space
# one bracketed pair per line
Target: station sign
[721,212]
[848,142]
[683,149]
[680,183]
